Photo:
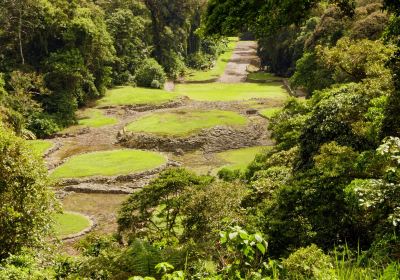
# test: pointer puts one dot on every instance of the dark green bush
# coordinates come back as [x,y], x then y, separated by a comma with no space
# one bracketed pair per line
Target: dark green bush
[229,175]
[150,71]
[306,263]
[200,61]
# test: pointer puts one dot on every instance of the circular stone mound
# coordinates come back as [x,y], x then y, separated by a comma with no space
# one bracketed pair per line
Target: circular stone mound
[183,122]
[69,223]
[109,163]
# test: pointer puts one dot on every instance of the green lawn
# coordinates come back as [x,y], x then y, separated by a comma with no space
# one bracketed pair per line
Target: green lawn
[40,146]
[135,96]
[184,122]
[260,76]
[69,223]
[232,92]
[95,118]
[240,158]
[269,112]
[220,64]
[109,163]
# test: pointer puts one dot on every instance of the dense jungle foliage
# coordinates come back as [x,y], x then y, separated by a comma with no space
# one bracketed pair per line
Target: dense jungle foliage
[56,56]
[324,203]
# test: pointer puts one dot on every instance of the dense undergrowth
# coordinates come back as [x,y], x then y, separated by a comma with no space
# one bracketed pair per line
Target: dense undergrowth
[57,56]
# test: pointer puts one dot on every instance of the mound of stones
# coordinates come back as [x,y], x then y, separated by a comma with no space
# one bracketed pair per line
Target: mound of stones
[121,184]
[219,138]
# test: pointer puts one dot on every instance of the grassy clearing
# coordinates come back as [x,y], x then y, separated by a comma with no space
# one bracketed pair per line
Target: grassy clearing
[232,92]
[40,146]
[108,163]
[199,162]
[95,118]
[269,112]
[184,122]
[240,158]
[69,223]
[135,96]
[261,76]
[220,65]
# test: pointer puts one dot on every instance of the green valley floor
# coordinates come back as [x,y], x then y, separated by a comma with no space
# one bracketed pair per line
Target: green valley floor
[102,159]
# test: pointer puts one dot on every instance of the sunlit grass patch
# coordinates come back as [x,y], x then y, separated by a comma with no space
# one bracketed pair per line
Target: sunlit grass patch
[184,122]
[135,96]
[70,223]
[220,65]
[40,146]
[232,92]
[95,118]
[109,163]
[269,112]
[261,77]
[240,158]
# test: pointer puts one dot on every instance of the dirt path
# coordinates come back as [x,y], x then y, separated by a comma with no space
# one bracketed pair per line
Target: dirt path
[244,54]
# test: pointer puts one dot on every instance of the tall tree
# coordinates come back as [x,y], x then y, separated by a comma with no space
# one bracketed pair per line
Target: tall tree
[260,16]
[391,123]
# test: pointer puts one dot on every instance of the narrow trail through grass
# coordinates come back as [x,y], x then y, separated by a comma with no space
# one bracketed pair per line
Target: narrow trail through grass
[218,69]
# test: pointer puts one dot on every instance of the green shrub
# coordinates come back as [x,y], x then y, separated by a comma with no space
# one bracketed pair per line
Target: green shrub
[155,211]
[229,175]
[26,202]
[43,125]
[23,267]
[200,61]
[150,73]
[209,209]
[174,64]
[155,84]
[306,263]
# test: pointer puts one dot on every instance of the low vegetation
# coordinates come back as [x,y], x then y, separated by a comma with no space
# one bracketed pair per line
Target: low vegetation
[261,77]
[95,118]
[108,163]
[269,112]
[135,96]
[40,146]
[70,223]
[218,69]
[232,92]
[240,158]
[185,122]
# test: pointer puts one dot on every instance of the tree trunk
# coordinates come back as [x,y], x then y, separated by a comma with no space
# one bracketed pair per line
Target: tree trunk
[20,36]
